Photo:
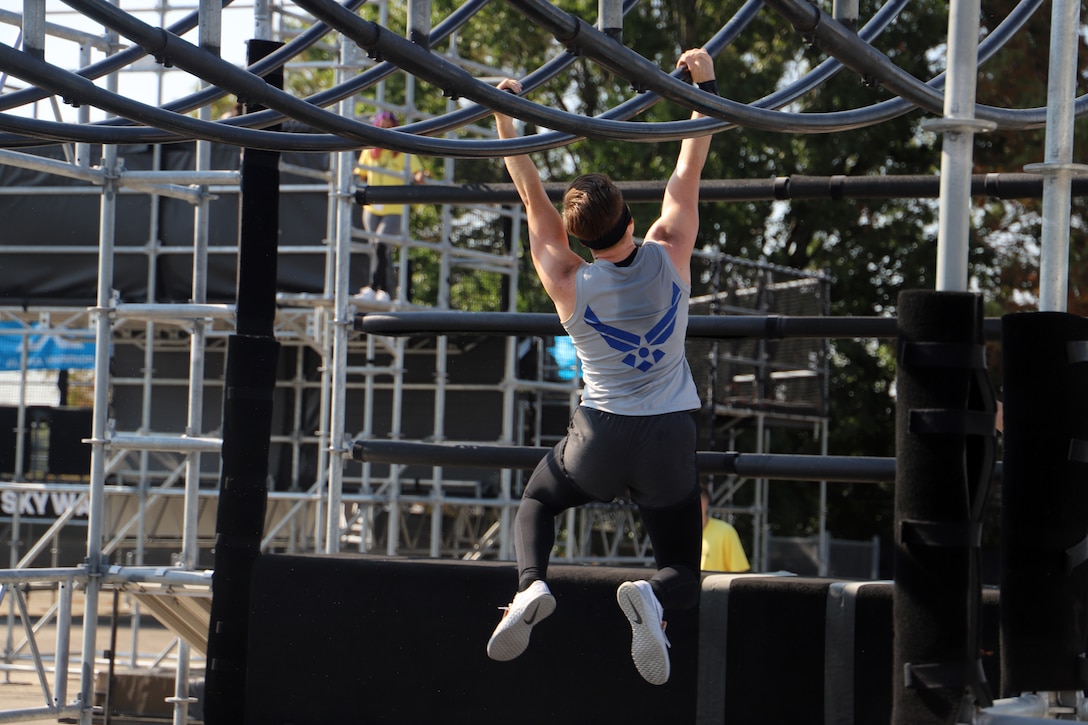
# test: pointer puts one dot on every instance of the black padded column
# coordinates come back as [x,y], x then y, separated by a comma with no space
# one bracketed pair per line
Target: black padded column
[1044,520]
[252,357]
[945,445]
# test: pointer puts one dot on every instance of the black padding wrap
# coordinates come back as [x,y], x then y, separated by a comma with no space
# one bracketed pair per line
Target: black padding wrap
[944,354]
[710,86]
[1076,555]
[944,675]
[952,422]
[1078,451]
[613,235]
[1077,351]
[940,533]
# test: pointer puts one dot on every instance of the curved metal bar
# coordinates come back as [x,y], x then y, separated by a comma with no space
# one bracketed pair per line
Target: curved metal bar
[263,119]
[579,35]
[839,41]
[832,36]
[268,117]
[247,86]
[271,62]
[349,134]
[877,113]
[123,132]
[266,65]
[31,133]
[437,125]
[714,46]
[394,139]
[409,56]
[113,63]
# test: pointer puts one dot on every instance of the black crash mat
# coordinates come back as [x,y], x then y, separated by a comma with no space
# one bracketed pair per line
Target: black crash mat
[365,639]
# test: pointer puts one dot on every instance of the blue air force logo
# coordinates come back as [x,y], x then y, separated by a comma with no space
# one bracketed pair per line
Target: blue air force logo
[642,353]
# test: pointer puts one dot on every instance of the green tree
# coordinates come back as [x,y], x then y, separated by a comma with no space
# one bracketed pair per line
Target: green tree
[1016,78]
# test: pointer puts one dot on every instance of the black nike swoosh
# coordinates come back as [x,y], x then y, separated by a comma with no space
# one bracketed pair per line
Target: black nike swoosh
[530,618]
[638,619]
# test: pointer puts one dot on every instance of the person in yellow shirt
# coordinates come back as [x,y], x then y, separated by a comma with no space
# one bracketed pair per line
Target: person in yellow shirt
[382,167]
[722,550]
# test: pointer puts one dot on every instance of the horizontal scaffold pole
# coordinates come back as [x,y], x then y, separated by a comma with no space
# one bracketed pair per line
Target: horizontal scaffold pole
[848,469]
[703,326]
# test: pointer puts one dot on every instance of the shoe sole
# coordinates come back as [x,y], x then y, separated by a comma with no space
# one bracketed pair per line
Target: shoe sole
[511,636]
[649,651]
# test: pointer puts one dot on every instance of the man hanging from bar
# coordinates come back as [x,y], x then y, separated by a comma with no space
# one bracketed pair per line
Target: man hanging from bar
[634,432]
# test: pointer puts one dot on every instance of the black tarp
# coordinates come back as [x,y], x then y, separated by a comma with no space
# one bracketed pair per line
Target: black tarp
[49,214]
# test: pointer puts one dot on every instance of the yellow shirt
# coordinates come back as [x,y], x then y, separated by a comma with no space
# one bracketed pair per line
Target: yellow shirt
[386,170]
[722,550]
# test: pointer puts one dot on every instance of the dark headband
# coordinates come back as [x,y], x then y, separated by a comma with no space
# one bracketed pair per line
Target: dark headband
[613,235]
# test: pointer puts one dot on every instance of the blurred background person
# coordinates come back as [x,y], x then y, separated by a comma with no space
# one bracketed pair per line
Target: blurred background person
[722,550]
[382,167]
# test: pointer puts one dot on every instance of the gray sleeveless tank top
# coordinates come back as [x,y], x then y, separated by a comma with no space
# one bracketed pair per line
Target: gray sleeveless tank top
[628,327]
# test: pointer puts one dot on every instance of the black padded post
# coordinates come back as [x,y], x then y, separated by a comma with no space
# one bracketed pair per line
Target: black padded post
[1044,577]
[945,445]
[252,358]
[258,234]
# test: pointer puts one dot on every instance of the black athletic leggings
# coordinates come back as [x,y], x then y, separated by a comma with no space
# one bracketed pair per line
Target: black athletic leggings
[381,224]
[606,456]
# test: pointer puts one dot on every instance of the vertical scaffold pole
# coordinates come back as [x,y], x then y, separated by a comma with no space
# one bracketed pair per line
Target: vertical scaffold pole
[610,18]
[211,32]
[338,327]
[99,431]
[1058,169]
[959,126]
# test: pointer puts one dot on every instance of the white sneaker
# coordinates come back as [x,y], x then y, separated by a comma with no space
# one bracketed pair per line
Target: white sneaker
[366,294]
[528,609]
[649,646]
[381,296]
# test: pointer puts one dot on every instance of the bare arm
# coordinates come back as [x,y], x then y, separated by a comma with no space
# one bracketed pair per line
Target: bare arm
[678,225]
[420,173]
[555,262]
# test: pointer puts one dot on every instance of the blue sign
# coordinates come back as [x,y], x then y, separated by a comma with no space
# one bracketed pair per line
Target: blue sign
[565,358]
[49,351]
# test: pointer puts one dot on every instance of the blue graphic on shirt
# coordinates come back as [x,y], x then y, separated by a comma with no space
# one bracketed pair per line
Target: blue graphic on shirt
[641,356]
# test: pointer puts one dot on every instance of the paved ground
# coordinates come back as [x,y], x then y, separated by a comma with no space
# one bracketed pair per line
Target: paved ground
[19,683]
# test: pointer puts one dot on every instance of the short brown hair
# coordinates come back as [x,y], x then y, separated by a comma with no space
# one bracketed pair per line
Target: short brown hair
[592,205]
